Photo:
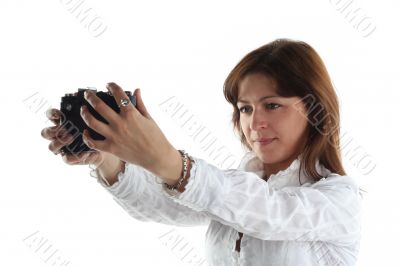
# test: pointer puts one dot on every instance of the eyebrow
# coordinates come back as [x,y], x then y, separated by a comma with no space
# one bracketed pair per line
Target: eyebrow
[262,98]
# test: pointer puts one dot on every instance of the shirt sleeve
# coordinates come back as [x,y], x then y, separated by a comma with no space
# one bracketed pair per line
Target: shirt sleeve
[327,210]
[138,192]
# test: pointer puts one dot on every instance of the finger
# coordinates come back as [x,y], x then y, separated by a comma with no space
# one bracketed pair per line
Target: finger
[100,145]
[140,105]
[48,132]
[83,158]
[120,94]
[52,133]
[93,123]
[101,107]
[54,115]
[56,145]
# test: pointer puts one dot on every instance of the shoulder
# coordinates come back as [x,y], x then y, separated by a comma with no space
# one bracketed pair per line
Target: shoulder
[335,181]
[341,190]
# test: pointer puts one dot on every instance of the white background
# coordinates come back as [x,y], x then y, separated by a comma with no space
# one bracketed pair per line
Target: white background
[183,49]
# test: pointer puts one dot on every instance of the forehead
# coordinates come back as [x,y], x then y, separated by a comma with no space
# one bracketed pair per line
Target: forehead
[257,87]
[255,84]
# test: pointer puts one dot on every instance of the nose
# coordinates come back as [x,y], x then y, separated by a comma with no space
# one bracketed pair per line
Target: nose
[259,120]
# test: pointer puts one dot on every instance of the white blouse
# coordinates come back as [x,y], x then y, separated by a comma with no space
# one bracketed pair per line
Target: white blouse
[283,222]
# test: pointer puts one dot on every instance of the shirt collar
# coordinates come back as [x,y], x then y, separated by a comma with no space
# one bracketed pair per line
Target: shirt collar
[283,178]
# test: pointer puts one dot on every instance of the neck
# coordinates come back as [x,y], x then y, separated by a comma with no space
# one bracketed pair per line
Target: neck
[270,169]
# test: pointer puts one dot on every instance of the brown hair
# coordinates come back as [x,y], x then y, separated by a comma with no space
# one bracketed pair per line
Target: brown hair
[298,71]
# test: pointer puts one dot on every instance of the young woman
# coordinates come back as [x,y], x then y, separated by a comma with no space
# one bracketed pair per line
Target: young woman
[289,203]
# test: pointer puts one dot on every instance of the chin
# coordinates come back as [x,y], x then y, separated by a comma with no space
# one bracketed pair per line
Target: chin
[268,157]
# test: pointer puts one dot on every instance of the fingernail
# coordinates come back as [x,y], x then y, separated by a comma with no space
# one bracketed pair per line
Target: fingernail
[88,93]
[57,152]
[110,86]
[85,139]
[88,143]
[48,112]
[51,114]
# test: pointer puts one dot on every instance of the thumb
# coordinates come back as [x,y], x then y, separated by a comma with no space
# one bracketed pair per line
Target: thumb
[140,105]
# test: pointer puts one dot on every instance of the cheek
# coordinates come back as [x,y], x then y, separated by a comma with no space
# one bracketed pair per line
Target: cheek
[291,130]
[246,131]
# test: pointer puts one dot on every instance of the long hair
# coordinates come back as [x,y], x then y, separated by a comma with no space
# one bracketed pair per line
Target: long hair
[298,71]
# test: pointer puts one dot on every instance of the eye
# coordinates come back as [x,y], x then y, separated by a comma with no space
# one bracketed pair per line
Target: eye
[270,106]
[273,106]
[240,109]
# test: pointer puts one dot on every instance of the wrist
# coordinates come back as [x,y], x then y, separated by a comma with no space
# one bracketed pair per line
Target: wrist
[183,180]
[169,168]
[109,169]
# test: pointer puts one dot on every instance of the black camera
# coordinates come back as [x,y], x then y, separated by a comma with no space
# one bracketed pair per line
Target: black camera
[73,123]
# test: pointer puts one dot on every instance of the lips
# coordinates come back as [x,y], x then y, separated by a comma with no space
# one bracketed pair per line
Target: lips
[265,141]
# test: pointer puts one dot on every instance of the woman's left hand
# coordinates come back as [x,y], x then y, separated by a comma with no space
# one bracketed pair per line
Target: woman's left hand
[132,135]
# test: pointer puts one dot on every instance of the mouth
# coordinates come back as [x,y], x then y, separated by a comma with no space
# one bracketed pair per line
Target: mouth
[265,141]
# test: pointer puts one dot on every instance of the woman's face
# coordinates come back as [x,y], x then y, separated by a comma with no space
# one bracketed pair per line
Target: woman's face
[265,115]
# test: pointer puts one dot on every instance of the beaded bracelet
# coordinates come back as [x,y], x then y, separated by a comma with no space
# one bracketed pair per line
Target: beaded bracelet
[186,162]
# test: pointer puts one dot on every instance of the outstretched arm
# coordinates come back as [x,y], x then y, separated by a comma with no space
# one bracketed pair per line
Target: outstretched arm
[328,210]
[139,192]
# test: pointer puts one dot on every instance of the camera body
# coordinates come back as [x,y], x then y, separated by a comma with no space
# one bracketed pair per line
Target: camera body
[72,121]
